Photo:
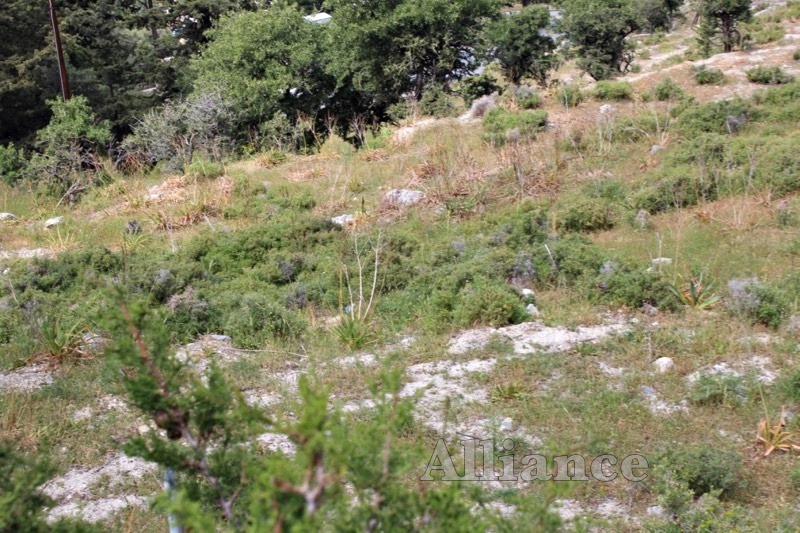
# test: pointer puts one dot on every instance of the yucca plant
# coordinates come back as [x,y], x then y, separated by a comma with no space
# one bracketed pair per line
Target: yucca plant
[61,344]
[775,436]
[697,293]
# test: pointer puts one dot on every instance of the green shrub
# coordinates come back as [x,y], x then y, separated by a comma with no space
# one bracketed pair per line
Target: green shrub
[773,305]
[570,96]
[436,102]
[501,125]
[707,76]
[714,117]
[718,389]
[473,87]
[527,97]
[675,191]
[789,385]
[589,214]
[257,320]
[705,469]
[490,304]
[796,55]
[204,169]
[11,164]
[632,287]
[613,90]
[292,197]
[768,75]
[668,89]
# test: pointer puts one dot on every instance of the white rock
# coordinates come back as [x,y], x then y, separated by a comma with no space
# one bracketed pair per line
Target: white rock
[507,424]
[403,197]
[144,429]
[7,216]
[656,148]
[664,364]
[527,293]
[606,109]
[55,221]
[662,261]
[343,220]
[655,511]
[532,310]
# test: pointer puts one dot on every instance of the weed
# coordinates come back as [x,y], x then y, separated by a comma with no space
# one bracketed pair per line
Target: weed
[570,96]
[353,333]
[60,344]
[204,169]
[668,90]
[718,389]
[502,126]
[706,469]
[775,436]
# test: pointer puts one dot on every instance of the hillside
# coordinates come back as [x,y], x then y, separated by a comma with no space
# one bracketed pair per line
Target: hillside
[612,276]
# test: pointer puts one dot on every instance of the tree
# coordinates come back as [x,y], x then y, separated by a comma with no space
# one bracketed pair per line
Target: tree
[520,44]
[68,148]
[264,63]
[722,17]
[381,51]
[658,14]
[598,31]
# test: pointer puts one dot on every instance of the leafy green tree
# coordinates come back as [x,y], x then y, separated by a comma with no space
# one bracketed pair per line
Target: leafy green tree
[598,31]
[658,14]
[520,44]
[380,51]
[722,17]
[68,148]
[264,63]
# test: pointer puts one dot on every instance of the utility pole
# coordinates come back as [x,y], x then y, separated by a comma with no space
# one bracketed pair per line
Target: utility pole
[62,67]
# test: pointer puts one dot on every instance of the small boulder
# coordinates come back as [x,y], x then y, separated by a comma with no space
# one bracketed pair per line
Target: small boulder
[527,293]
[132,227]
[7,216]
[642,219]
[403,197]
[343,220]
[607,109]
[656,148]
[662,261]
[532,310]
[664,364]
[51,222]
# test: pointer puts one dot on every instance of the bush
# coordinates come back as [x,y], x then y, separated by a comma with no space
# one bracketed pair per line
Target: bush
[490,304]
[436,102]
[680,190]
[527,97]
[715,117]
[11,164]
[204,169]
[501,125]
[773,305]
[708,76]
[613,90]
[718,389]
[589,214]
[796,55]
[258,320]
[668,89]
[706,469]
[768,75]
[633,287]
[473,87]
[570,96]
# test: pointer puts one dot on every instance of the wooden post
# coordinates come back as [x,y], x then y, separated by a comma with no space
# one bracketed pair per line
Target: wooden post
[62,66]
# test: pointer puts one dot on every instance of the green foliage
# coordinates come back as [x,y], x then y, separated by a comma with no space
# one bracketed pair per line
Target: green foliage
[11,164]
[796,55]
[256,320]
[768,75]
[613,90]
[502,126]
[657,15]
[491,304]
[473,87]
[520,44]
[436,102]
[570,96]
[773,305]
[697,293]
[706,469]
[721,19]
[719,389]
[352,332]
[668,90]
[598,31]
[589,214]
[204,170]
[704,75]
[671,191]
[713,117]
[68,148]
[22,504]
[633,287]
[526,97]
